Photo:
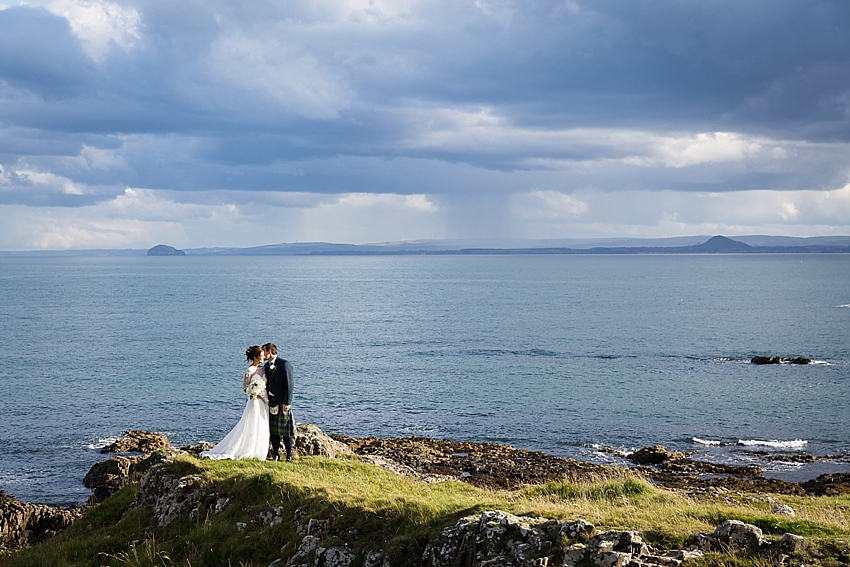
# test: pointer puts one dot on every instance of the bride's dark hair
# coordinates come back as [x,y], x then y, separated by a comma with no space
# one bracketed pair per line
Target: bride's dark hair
[254,353]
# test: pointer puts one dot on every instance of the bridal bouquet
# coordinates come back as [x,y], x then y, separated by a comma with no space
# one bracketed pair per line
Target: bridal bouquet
[255,388]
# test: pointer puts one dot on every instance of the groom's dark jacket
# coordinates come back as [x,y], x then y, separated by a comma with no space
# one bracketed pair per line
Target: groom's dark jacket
[279,381]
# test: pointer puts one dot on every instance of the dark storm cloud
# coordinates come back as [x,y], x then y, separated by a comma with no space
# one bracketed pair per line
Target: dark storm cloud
[320,97]
[39,53]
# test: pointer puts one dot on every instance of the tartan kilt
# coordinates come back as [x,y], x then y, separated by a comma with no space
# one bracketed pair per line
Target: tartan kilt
[282,424]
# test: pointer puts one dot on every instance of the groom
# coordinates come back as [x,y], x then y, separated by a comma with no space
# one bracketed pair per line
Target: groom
[279,383]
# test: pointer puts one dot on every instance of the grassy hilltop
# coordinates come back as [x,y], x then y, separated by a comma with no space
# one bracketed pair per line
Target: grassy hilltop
[367,507]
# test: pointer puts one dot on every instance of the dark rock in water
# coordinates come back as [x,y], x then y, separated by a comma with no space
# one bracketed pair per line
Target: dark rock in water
[165,250]
[828,485]
[654,455]
[780,360]
[138,442]
[23,524]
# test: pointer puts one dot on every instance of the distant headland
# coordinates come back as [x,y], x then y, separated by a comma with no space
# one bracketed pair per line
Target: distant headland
[705,245]
[755,244]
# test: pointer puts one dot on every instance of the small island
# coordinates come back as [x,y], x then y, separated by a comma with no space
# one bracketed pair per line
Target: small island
[165,250]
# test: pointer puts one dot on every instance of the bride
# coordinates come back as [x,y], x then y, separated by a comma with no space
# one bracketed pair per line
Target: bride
[249,438]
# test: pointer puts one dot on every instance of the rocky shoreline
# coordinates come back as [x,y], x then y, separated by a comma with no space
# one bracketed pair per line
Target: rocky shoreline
[492,465]
[485,465]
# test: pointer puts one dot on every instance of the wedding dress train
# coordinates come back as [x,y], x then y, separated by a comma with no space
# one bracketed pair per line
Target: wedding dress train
[249,438]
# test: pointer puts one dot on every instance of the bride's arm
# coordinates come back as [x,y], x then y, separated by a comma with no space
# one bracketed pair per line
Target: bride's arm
[246,379]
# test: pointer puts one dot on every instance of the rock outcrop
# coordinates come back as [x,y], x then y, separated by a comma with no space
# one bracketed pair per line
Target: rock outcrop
[310,440]
[834,484]
[108,477]
[496,538]
[23,524]
[488,465]
[170,496]
[138,442]
[655,455]
[489,539]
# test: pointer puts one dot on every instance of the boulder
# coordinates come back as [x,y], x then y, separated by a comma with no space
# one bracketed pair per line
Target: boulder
[579,530]
[108,477]
[310,440]
[654,455]
[23,524]
[703,543]
[783,510]
[169,496]
[138,442]
[736,535]
[791,543]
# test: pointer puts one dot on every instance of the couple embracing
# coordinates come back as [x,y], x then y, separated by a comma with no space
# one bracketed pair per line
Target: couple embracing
[267,415]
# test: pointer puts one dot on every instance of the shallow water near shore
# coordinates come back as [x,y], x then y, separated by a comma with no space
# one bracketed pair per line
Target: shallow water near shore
[575,356]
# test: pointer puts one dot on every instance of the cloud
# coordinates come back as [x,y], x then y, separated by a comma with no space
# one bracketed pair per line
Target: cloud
[140,218]
[100,25]
[279,73]
[548,204]
[457,117]
[671,213]
[38,52]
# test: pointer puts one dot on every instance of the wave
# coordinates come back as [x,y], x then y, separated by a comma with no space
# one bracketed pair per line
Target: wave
[101,443]
[711,442]
[607,450]
[846,305]
[795,444]
[502,352]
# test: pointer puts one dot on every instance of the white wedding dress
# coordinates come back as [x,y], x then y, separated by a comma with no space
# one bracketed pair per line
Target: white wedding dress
[249,438]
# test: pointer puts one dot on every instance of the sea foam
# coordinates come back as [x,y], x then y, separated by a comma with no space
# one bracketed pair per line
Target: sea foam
[711,442]
[101,443]
[795,444]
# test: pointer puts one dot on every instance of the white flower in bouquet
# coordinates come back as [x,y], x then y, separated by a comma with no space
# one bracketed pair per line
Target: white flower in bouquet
[255,388]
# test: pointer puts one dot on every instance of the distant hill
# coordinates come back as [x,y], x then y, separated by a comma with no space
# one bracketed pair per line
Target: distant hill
[165,250]
[757,244]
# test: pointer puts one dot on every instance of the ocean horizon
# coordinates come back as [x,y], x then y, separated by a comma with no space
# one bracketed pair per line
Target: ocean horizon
[586,357]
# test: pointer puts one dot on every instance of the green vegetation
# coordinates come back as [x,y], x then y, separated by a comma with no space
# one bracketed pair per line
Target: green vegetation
[371,508]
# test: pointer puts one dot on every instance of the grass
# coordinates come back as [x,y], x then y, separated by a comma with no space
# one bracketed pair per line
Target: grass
[374,508]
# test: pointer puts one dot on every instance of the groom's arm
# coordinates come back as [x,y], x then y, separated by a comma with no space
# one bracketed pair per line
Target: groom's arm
[287,367]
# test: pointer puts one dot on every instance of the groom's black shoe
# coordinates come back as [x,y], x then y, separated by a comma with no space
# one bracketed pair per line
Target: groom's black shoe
[288,459]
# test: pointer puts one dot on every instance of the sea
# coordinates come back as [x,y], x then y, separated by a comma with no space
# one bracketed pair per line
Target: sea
[587,357]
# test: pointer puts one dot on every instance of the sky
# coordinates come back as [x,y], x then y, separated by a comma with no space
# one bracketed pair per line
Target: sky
[195,123]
